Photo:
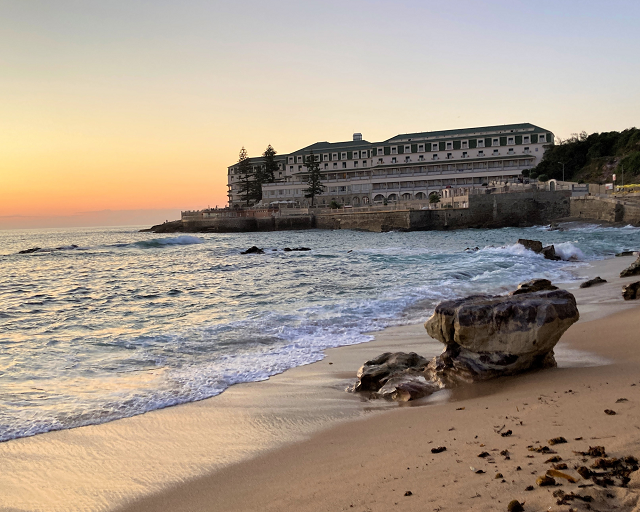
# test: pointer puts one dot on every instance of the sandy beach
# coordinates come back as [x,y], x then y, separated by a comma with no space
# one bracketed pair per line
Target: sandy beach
[299,442]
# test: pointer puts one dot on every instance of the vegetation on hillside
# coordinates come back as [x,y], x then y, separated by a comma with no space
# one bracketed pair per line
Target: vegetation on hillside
[594,158]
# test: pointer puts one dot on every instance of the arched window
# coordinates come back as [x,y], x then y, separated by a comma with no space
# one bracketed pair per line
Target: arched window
[392,197]
[378,198]
[406,196]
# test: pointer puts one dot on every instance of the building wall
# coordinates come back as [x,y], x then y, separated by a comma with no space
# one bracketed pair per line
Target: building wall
[606,209]
[359,171]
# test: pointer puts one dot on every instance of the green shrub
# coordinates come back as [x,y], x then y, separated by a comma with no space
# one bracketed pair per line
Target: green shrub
[543,178]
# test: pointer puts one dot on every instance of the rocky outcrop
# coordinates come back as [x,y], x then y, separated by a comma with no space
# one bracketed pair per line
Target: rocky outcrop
[174,226]
[549,252]
[632,270]
[289,249]
[593,282]
[532,245]
[631,291]
[487,336]
[535,285]
[30,251]
[374,374]
[253,250]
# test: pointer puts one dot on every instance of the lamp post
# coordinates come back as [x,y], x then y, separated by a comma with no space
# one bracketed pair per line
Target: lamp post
[562,164]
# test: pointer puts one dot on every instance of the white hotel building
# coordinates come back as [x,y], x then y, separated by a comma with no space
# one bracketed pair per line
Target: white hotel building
[406,167]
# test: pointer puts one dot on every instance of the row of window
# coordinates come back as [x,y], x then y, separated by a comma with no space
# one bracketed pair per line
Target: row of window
[434,146]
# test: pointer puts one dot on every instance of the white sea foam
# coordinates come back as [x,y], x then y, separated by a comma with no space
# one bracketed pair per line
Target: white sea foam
[569,252]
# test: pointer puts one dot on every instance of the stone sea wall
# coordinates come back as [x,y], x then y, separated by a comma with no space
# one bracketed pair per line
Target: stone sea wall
[484,211]
[606,209]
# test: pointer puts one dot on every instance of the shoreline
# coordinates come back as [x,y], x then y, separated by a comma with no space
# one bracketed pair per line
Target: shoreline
[120,462]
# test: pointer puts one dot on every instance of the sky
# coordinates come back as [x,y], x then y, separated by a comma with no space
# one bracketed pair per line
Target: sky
[141,105]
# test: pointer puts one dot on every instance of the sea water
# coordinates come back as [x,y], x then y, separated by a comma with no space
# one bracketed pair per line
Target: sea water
[101,324]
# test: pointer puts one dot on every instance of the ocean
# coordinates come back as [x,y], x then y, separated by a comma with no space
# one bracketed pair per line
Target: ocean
[101,324]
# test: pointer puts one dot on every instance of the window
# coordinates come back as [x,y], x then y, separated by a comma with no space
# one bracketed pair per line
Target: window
[407,159]
[526,149]
[510,141]
[316,158]
[394,150]
[334,156]
[449,156]
[407,149]
[299,168]
[421,158]
[291,168]
[299,159]
[511,151]
[465,144]
[380,160]
[364,163]
[464,154]
[526,139]
[495,142]
[325,157]
[344,165]
[394,160]
[542,137]
[420,148]
[449,145]
[355,155]
[355,164]
[335,165]
[480,143]
[279,175]
[495,152]
[480,153]
[380,151]
[434,146]
[343,156]
[326,166]
[434,157]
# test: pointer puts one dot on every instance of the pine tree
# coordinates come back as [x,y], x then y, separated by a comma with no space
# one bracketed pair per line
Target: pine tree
[270,165]
[315,185]
[246,177]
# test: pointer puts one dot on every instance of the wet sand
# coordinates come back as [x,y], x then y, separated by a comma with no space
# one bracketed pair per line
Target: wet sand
[286,444]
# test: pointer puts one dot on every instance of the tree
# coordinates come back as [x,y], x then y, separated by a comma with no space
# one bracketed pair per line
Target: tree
[270,166]
[314,180]
[246,177]
[434,198]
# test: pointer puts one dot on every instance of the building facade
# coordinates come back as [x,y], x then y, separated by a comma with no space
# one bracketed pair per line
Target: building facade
[405,167]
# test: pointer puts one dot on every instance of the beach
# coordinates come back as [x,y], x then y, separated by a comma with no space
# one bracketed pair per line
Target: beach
[300,442]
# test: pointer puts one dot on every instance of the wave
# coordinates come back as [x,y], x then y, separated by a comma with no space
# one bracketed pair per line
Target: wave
[162,242]
[569,252]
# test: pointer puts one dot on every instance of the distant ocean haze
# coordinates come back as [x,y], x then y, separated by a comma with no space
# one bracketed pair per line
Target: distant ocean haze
[100,324]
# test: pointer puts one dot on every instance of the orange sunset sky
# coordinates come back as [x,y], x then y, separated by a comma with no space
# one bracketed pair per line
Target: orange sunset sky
[142,105]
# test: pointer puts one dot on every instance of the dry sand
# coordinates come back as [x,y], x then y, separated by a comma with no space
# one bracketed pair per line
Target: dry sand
[285,445]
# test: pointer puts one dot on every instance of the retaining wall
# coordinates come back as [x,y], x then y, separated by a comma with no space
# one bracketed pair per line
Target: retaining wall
[606,209]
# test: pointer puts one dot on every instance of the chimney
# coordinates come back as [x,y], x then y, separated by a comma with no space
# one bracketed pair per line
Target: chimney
[357,136]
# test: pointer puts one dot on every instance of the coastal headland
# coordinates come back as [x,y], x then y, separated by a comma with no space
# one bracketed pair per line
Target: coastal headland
[286,444]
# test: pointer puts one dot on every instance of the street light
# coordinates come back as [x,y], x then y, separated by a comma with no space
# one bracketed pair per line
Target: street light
[562,164]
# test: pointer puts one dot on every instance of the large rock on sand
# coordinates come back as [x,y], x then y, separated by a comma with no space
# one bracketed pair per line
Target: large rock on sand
[400,370]
[488,336]
[632,270]
[631,291]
